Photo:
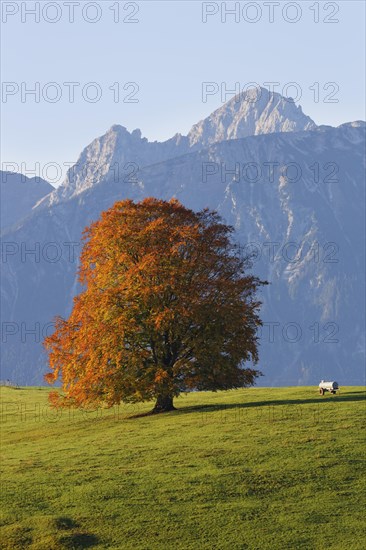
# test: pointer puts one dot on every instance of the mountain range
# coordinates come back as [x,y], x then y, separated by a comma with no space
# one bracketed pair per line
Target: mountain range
[294,192]
[19,195]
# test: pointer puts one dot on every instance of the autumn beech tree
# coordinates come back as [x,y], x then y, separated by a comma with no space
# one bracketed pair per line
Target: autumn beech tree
[168,306]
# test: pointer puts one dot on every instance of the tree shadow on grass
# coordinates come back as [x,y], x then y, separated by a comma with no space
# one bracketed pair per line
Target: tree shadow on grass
[340,397]
[347,397]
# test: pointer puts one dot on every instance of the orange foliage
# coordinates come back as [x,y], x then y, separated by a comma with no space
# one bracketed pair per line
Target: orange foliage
[167,306]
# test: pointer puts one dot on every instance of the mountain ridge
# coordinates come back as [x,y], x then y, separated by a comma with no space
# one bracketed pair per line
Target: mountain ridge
[19,195]
[302,187]
[119,149]
[274,209]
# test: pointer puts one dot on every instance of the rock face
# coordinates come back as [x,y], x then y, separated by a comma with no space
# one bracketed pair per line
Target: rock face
[295,198]
[119,154]
[258,112]
[19,195]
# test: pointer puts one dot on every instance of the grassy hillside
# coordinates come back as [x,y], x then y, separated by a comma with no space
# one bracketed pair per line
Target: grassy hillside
[247,469]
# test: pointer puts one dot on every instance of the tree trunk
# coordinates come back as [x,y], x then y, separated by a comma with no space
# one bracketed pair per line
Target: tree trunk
[164,403]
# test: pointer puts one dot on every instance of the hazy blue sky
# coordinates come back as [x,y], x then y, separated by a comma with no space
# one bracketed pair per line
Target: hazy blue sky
[169,52]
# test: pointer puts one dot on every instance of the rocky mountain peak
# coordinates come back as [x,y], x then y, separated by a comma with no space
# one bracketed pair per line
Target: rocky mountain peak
[258,111]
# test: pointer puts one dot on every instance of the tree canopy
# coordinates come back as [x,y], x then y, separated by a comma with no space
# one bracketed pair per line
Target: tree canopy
[167,306]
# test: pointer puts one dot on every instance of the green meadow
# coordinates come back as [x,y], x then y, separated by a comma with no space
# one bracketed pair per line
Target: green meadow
[257,468]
